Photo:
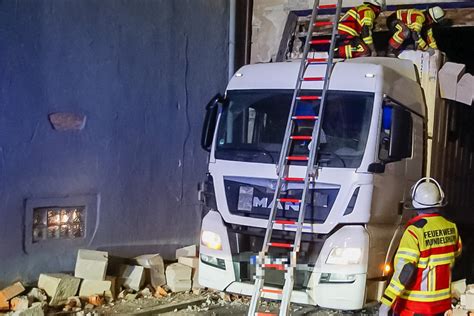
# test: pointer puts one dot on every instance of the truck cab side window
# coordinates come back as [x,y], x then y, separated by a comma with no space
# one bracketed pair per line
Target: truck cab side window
[396,134]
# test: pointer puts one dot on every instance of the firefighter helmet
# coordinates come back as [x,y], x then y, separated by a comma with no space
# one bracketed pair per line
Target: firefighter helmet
[379,3]
[427,193]
[436,13]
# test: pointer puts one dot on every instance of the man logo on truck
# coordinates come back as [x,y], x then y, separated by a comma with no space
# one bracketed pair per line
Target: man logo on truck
[263,203]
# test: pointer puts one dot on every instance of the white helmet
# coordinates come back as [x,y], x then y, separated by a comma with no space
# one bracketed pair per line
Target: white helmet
[427,193]
[436,13]
[379,3]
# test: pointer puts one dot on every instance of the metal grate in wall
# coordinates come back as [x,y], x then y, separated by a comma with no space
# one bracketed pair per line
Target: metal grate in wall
[53,223]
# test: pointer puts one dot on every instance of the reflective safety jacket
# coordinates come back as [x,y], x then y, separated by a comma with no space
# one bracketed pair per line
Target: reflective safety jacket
[358,22]
[415,20]
[421,283]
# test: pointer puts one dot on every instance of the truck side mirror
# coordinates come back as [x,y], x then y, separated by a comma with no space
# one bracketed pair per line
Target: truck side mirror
[210,121]
[400,135]
[395,141]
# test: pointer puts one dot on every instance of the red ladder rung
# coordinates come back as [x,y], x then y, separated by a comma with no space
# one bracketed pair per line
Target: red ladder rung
[280,245]
[275,266]
[308,98]
[323,23]
[327,6]
[313,78]
[289,200]
[284,222]
[304,117]
[289,179]
[273,291]
[320,41]
[265,314]
[297,158]
[301,137]
[316,60]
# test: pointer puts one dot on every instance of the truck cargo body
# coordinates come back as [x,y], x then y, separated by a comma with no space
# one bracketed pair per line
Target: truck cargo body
[371,152]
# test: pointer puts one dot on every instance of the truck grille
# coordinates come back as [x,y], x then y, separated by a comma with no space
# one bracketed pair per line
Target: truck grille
[253,197]
[246,242]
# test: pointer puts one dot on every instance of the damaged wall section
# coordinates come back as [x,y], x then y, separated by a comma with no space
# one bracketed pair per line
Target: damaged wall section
[141,72]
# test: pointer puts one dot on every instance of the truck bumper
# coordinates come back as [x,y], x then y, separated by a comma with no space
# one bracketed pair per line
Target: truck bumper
[335,286]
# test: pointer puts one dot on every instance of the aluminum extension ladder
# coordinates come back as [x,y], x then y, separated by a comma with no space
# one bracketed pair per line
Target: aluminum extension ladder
[288,264]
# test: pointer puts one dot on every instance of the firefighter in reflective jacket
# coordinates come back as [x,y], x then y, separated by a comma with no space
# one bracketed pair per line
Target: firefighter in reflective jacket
[413,23]
[421,283]
[355,30]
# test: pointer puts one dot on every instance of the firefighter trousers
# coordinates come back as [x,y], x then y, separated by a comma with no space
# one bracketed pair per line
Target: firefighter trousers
[400,34]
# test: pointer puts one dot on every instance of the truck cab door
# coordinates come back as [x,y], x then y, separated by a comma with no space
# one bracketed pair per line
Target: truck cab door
[392,179]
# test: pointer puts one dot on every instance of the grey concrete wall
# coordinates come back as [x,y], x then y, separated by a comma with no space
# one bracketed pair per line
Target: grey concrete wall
[142,72]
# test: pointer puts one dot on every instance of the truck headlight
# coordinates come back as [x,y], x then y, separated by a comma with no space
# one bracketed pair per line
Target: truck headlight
[213,261]
[211,240]
[344,256]
[336,278]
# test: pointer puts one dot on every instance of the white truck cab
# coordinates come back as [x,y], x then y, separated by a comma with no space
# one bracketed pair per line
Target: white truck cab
[371,152]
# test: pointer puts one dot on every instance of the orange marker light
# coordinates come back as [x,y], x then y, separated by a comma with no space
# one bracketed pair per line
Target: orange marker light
[387,268]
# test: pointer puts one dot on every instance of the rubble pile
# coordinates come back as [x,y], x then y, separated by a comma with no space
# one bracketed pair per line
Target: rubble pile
[463,299]
[98,284]
[215,298]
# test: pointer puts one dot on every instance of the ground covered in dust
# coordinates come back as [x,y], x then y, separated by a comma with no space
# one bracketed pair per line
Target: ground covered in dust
[205,302]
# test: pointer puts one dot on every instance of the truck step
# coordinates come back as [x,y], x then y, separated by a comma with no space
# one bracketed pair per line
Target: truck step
[265,314]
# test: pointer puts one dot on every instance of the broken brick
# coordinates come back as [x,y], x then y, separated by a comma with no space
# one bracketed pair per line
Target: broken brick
[160,292]
[449,76]
[179,277]
[131,277]
[156,268]
[192,262]
[458,288]
[114,289]
[189,251]
[96,300]
[93,287]
[59,287]
[4,305]
[10,292]
[91,264]
[36,309]
[37,295]
[19,303]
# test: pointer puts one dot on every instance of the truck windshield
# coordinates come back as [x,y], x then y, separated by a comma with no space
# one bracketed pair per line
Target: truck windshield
[253,122]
